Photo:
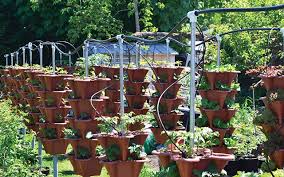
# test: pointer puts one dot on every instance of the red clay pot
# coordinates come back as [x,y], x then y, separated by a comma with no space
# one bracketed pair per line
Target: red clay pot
[52,81]
[172,91]
[32,74]
[114,95]
[111,72]
[54,146]
[136,126]
[89,167]
[86,88]
[137,111]
[74,164]
[85,126]
[139,137]
[58,126]
[266,128]
[224,77]
[51,113]
[170,119]
[278,108]
[273,82]
[214,95]
[223,149]
[167,105]
[223,132]
[111,108]
[165,158]
[136,101]
[34,102]
[166,74]
[135,88]
[278,158]
[114,85]
[160,137]
[98,70]
[223,114]
[232,94]
[122,141]
[90,144]
[221,160]
[186,166]
[130,168]
[55,95]
[35,116]
[84,106]
[136,74]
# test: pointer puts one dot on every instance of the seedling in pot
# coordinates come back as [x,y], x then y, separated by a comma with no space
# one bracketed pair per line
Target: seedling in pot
[72,95]
[112,152]
[59,118]
[218,123]
[71,133]
[231,142]
[24,88]
[202,121]
[34,82]
[49,133]
[275,95]
[31,95]
[266,117]
[222,68]
[83,153]
[42,119]
[49,101]
[135,152]
[84,116]
[206,104]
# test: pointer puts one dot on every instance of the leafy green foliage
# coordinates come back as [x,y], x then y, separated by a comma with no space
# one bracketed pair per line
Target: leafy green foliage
[83,153]
[71,133]
[221,68]
[112,152]
[135,151]
[206,104]
[266,117]
[218,123]
[170,171]
[202,121]
[49,133]
[231,142]
[275,95]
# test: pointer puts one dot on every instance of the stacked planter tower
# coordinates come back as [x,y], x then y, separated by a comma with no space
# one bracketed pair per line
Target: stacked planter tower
[223,113]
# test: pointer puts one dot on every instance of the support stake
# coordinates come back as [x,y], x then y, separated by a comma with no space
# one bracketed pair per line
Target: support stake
[282,31]
[121,79]
[24,55]
[12,59]
[17,58]
[40,55]
[70,58]
[40,154]
[6,62]
[219,39]
[30,45]
[53,58]
[55,166]
[87,59]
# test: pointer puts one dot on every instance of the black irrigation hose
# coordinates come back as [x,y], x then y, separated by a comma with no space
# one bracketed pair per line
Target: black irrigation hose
[253,9]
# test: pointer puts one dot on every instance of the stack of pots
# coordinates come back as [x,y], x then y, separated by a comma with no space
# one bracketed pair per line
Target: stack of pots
[165,77]
[275,83]
[219,96]
[87,104]
[53,108]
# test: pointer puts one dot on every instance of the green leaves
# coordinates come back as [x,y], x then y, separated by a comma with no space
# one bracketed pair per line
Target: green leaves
[112,152]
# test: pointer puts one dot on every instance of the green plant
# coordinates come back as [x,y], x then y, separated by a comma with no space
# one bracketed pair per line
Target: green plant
[266,117]
[221,86]
[34,82]
[275,95]
[268,166]
[221,68]
[31,95]
[84,116]
[274,142]
[218,123]
[170,171]
[83,153]
[206,104]
[203,84]
[135,151]
[59,118]
[49,101]
[49,133]
[71,133]
[72,95]
[202,121]
[231,142]
[100,151]
[112,152]
[107,123]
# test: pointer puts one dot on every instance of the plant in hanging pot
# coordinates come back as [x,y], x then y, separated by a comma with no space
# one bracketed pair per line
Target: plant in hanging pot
[274,147]
[266,120]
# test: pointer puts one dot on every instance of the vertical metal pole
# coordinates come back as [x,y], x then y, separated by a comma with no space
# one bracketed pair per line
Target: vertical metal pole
[53,58]
[193,20]
[137,54]
[30,45]
[70,58]
[55,166]
[87,59]
[60,58]
[121,79]
[17,58]
[24,55]
[6,62]
[40,55]
[219,39]
[168,45]
[282,31]
[12,59]
[33,142]
[40,154]
[114,53]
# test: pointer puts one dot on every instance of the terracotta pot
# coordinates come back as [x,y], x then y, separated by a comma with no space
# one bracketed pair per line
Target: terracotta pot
[222,133]
[55,146]
[34,102]
[85,126]
[114,85]
[89,144]
[215,95]
[167,105]
[223,114]
[69,69]
[125,168]
[166,74]
[186,166]
[74,163]
[56,96]
[89,167]
[232,94]
[52,113]
[278,108]
[86,88]
[54,82]
[171,92]
[114,95]
[111,108]
[84,106]
[111,72]
[136,74]
[223,149]
[33,127]
[58,126]
[136,101]
[98,70]
[224,77]
[278,157]
[136,126]
[221,160]
[266,128]
[137,111]
[32,74]
[169,120]
[165,158]
[160,138]
[135,88]
[273,82]
[122,141]
[139,137]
